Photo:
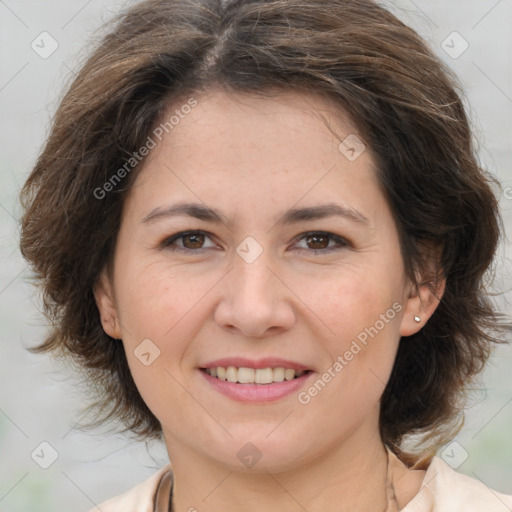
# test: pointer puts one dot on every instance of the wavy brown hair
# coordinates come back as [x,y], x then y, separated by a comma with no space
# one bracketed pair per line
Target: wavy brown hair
[407,107]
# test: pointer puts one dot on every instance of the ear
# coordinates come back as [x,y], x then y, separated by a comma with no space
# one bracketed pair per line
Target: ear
[103,293]
[424,298]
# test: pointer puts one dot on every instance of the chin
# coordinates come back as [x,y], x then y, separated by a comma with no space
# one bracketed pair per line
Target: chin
[260,454]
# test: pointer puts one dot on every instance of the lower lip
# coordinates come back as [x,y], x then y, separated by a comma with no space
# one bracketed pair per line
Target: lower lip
[256,392]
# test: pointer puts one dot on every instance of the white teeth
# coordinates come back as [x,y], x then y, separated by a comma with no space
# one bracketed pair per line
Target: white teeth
[278,374]
[254,376]
[289,374]
[264,376]
[232,374]
[246,375]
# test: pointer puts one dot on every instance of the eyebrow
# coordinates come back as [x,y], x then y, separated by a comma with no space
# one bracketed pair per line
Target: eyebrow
[291,216]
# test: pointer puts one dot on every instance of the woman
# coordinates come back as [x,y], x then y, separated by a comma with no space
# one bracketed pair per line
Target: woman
[262,230]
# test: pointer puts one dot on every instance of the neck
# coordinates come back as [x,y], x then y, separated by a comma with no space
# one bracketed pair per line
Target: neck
[351,477]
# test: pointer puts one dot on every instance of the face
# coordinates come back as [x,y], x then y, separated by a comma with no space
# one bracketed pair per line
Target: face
[293,262]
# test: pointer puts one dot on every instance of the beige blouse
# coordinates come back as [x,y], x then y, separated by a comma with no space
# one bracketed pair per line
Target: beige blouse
[442,490]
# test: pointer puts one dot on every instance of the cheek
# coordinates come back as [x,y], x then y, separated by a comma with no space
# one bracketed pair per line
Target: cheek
[348,302]
[361,312]
[155,307]
[153,299]
[165,306]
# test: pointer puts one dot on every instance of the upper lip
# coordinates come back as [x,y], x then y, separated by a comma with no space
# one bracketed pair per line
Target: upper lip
[242,362]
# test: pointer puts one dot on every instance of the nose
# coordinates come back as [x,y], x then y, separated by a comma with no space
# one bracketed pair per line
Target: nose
[256,300]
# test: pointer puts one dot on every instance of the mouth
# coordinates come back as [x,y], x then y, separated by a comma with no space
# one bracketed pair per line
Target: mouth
[262,376]
[271,381]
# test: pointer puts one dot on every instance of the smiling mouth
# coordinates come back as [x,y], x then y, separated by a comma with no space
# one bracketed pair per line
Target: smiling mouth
[244,375]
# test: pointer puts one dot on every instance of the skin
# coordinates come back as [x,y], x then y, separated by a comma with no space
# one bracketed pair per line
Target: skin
[253,158]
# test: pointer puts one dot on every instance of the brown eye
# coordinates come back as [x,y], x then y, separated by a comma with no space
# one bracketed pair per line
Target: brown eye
[187,241]
[195,241]
[318,241]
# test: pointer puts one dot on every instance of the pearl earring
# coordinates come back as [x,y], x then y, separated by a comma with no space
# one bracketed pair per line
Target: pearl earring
[417,319]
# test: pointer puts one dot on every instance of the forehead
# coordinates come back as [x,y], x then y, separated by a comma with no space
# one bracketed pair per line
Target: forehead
[289,114]
[249,150]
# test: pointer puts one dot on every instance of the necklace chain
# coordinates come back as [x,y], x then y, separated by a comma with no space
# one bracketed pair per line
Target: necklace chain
[391,502]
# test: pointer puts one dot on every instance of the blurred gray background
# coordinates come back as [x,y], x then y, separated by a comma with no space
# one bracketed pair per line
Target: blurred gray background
[40,46]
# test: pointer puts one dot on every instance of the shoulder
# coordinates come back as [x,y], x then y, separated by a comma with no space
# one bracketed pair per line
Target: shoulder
[445,489]
[140,498]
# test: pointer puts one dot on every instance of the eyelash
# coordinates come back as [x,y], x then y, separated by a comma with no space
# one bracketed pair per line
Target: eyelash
[342,242]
